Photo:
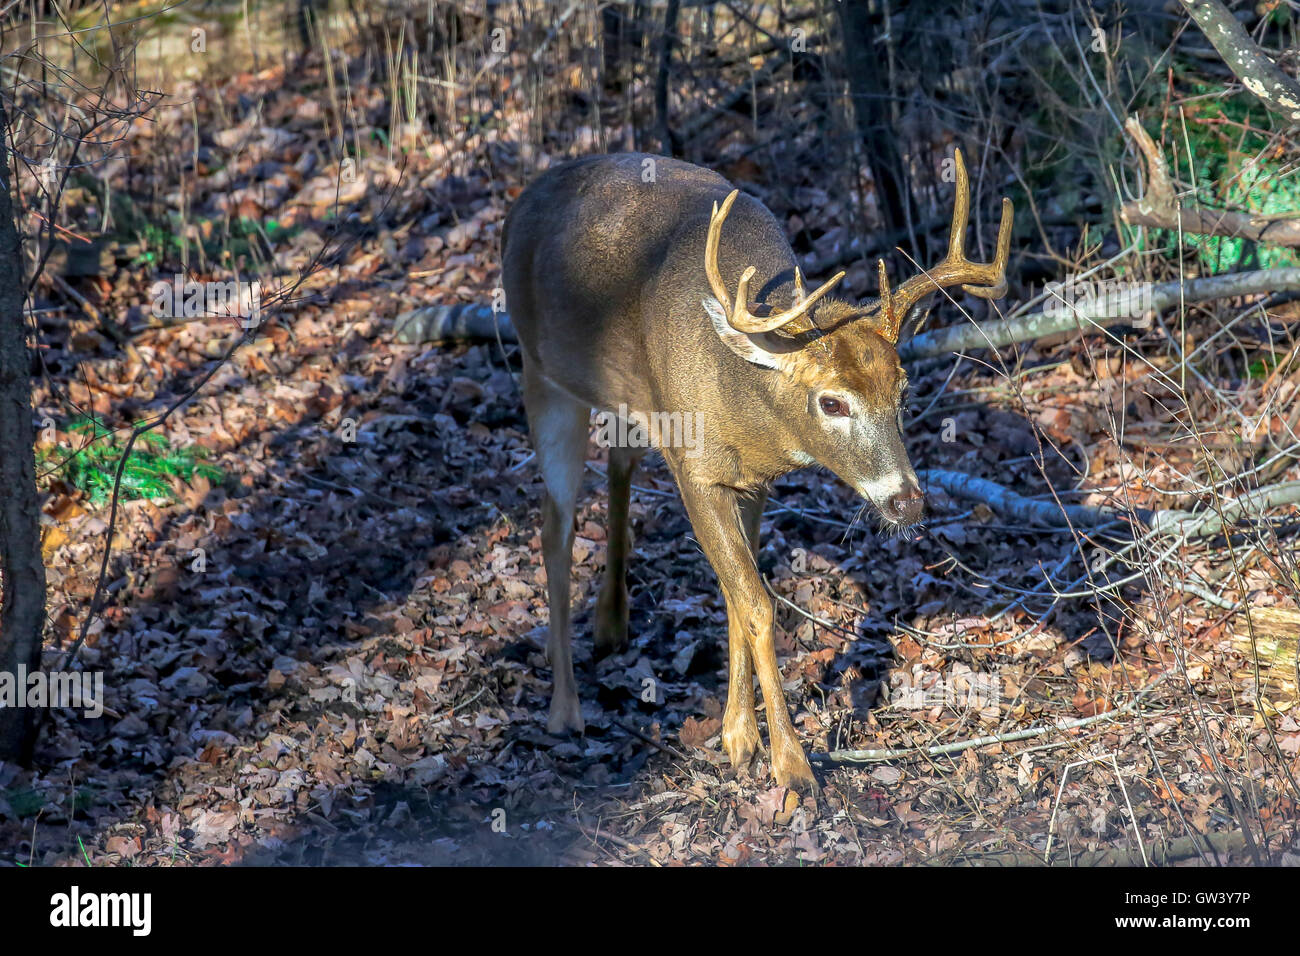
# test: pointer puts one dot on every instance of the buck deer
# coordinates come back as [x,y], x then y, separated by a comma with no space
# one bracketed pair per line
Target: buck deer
[619,289]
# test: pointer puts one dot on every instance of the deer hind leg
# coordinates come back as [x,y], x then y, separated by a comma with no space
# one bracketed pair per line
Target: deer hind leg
[611,606]
[559,426]
[740,737]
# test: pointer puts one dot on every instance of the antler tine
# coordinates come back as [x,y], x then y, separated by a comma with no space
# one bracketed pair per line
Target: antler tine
[798,286]
[742,294]
[960,212]
[711,251]
[1003,252]
[987,280]
[888,317]
[739,316]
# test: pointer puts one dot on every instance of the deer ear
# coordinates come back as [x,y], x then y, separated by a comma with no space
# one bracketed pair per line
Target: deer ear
[739,342]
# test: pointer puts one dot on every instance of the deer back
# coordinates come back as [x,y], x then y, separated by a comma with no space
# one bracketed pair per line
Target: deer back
[604,277]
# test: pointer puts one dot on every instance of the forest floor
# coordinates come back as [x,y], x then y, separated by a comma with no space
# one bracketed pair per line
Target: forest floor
[334,653]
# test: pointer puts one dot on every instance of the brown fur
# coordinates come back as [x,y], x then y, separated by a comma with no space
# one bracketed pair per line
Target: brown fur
[605,281]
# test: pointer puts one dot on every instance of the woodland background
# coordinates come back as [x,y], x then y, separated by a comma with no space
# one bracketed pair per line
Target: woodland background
[305,554]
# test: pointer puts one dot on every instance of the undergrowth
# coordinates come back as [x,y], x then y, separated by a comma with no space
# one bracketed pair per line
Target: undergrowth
[148,473]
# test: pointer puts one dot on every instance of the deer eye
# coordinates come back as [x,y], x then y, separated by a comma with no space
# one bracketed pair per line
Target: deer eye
[830,405]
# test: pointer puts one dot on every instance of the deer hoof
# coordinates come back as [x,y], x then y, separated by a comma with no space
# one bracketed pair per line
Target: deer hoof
[565,716]
[791,769]
[611,640]
[611,624]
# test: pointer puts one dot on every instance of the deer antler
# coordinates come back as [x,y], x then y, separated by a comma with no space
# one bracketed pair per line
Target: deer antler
[738,314]
[986,280]
[888,321]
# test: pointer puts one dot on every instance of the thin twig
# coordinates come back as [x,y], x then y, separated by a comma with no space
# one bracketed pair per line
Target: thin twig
[906,753]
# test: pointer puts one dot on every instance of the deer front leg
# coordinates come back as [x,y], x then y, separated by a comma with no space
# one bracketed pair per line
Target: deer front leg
[740,735]
[789,763]
[717,519]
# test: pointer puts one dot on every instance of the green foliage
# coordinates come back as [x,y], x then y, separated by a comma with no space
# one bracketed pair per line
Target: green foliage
[27,801]
[224,241]
[1229,168]
[147,473]
[1262,368]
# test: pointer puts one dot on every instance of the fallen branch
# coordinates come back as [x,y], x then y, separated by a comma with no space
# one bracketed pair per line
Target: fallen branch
[1187,525]
[452,323]
[1159,207]
[111,328]
[1206,524]
[1038,730]
[1008,504]
[1099,313]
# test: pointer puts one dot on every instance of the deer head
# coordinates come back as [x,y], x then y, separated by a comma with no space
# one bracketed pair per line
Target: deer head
[835,364]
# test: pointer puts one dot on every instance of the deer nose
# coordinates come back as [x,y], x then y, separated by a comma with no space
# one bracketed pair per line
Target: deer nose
[906,505]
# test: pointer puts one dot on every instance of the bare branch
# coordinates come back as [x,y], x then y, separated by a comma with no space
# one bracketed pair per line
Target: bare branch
[1257,72]
[1160,207]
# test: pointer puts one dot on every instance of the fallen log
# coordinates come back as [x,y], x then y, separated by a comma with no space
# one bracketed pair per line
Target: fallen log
[1087,318]
[453,323]
[466,321]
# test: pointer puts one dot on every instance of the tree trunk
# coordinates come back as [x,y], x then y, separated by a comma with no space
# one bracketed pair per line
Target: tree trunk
[869,87]
[22,573]
[622,33]
[666,43]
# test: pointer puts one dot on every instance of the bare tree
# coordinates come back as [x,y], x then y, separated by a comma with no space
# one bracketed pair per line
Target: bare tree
[47,111]
[22,572]
[666,42]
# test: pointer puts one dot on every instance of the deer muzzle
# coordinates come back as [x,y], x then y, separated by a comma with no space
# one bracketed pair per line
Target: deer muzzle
[898,498]
[904,507]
